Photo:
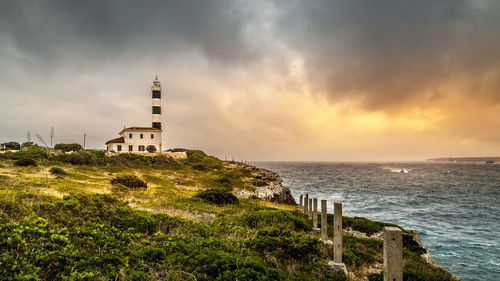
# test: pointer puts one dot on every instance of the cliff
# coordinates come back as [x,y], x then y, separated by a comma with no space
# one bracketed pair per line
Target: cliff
[268,187]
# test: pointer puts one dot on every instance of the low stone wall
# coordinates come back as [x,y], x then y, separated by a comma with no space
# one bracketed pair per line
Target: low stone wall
[174,155]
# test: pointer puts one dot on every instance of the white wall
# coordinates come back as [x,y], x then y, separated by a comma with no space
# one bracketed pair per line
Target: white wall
[135,141]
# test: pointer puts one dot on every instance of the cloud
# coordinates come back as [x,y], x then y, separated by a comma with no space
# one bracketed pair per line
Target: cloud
[258,79]
[390,54]
[52,30]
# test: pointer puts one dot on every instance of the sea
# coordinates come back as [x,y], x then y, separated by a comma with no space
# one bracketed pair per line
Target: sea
[454,207]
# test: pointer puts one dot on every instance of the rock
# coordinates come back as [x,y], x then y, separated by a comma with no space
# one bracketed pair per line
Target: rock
[274,192]
[338,266]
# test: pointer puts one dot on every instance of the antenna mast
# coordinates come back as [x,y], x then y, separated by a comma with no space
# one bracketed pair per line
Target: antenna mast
[52,134]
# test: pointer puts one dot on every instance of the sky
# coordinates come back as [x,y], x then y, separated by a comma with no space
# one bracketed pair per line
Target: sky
[317,80]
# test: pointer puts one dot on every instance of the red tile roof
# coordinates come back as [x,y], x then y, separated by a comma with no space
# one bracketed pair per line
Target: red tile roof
[140,129]
[117,140]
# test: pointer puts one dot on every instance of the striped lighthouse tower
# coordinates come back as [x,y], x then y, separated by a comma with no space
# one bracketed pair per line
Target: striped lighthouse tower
[156,91]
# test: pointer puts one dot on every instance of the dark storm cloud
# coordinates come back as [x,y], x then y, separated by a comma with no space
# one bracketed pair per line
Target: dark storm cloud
[230,65]
[52,30]
[390,53]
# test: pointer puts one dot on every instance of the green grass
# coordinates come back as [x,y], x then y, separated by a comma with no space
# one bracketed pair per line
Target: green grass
[98,236]
[99,232]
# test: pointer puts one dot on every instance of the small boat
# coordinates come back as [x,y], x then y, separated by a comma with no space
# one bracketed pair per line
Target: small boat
[490,162]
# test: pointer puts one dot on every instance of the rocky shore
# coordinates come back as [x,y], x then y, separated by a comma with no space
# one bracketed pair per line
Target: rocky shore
[272,188]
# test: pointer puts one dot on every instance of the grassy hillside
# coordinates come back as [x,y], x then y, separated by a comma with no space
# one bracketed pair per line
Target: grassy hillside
[75,225]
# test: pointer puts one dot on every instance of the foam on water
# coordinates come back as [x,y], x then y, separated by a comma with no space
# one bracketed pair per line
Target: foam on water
[455,207]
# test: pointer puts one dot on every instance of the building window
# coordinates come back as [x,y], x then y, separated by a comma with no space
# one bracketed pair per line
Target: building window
[141,148]
[141,136]
[152,136]
[156,110]
[119,147]
[129,136]
[130,148]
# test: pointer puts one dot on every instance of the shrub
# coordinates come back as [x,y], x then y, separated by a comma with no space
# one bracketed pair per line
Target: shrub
[284,244]
[195,156]
[27,144]
[11,145]
[211,162]
[199,167]
[279,218]
[133,159]
[177,150]
[259,183]
[25,162]
[151,148]
[358,251]
[57,171]
[217,196]
[34,152]
[362,224]
[164,162]
[412,245]
[66,147]
[416,268]
[84,157]
[223,183]
[129,181]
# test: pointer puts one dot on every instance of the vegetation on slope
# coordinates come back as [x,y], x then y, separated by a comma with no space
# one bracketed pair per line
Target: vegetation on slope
[79,227]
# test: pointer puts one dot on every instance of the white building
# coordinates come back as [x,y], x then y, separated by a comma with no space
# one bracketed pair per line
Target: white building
[137,139]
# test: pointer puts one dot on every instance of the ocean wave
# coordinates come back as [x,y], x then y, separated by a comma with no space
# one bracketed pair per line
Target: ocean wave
[397,170]
[453,206]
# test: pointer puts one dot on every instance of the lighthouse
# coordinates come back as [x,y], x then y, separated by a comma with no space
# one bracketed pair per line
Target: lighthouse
[156,93]
[142,139]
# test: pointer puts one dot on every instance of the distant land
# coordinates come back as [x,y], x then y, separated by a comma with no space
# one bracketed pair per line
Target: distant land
[467,159]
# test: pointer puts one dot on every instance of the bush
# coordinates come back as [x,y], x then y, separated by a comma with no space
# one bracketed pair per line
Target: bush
[362,224]
[416,268]
[27,144]
[129,181]
[412,245]
[25,162]
[84,157]
[11,145]
[57,171]
[217,196]
[163,162]
[151,148]
[66,147]
[199,167]
[34,152]
[278,218]
[285,244]
[259,183]
[195,156]
[358,251]
[212,163]
[177,150]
